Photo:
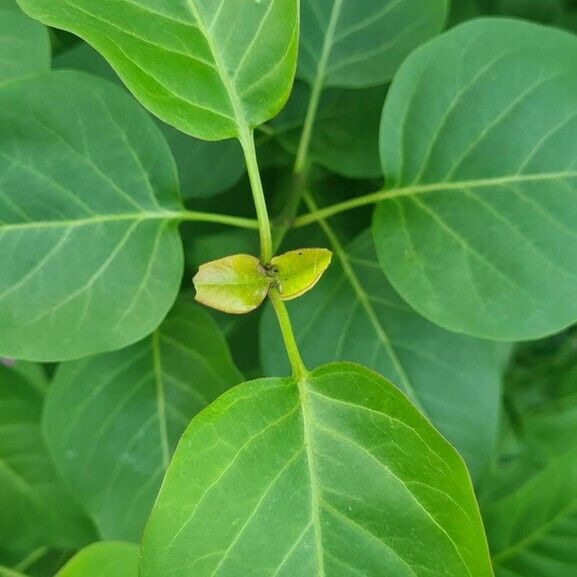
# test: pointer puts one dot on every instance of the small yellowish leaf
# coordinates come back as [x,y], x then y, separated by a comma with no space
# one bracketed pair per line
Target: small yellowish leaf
[298,271]
[236,284]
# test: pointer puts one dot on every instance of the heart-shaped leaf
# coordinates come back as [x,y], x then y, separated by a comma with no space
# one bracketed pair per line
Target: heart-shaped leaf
[212,69]
[89,214]
[235,284]
[336,463]
[112,421]
[478,234]
[105,559]
[296,272]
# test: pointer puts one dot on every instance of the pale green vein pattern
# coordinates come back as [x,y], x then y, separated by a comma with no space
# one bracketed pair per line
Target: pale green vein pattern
[354,314]
[112,421]
[106,559]
[338,464]
[354,43]
[92,258]
[533,531]
[24,46]
[211,68]
[36,510]
[481,127]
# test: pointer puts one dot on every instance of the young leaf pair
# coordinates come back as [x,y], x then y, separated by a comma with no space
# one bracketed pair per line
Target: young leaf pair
[239,284]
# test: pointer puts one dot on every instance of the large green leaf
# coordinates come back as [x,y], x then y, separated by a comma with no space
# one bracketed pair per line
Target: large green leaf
[345,472]
[533,530]
[112,421]
[107,559]
[88,219]
[36,510]
[479,147]
[210,68]
[354,43]
[354,314]
[24,46]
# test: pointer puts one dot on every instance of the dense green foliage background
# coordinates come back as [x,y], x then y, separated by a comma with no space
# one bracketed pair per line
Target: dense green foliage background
[459,289]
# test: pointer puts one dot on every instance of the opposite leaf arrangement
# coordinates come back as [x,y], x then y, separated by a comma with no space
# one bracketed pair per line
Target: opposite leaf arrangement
[146,439]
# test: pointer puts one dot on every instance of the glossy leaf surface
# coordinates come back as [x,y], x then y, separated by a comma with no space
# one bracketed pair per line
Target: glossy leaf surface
[235,284]
[353,43]
[88,201]
[24,46]
[480,236]
[36,509]
[349,466]
[355,314]
[209,68]
[105,559]
[298,271]
[112,421]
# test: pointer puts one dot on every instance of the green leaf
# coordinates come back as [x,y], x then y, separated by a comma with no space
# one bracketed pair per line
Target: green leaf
[112,421]
[337,464]
[88,219]
[107,559]
[25,46]
[36,509]
[533,530]
[235,284]
[479,148]
[354,314]
[346,132]
[353,44]
[211,69]
[296,272]
[204,168]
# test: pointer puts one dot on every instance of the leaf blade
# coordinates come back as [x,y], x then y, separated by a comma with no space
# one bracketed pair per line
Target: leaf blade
[238,494]
[155,49]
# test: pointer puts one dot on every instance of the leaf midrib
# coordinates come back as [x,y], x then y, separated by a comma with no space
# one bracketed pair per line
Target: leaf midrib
[227,80]
[306,413]
[91,221]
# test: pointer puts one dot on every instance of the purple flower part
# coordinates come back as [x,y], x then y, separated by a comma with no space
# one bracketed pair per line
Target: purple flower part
[7,362]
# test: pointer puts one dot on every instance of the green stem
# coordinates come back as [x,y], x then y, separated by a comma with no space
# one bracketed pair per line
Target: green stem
[284,222]
[301,163]
[247,142]
[386,194]
[299,369]
[237,221]
[28,561]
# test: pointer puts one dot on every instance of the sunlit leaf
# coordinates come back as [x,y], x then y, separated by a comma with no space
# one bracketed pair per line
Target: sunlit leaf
[106,559]
[235,284]
[335,464]
[298,271]
[211,69]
